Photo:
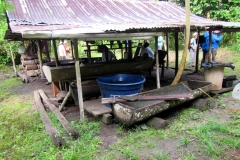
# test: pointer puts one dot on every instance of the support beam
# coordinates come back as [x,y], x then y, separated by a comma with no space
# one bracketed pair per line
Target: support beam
[210,45]
[40,58]
[197,54]
[166,49]
[78,75]
[157,62]
[176,52]
[130,50]
[55,53]
[12,57]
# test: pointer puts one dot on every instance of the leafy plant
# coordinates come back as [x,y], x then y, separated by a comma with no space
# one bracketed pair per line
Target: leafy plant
[162,156]
[185,140]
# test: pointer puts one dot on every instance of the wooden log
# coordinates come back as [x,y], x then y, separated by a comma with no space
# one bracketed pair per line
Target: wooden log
[145,98]
[31,73]
[70,130]
[28,57]
[51,130]
[37,71]
[24,63]
[31,67]
[65,100]
[24,77]
[21,67]
[90,71]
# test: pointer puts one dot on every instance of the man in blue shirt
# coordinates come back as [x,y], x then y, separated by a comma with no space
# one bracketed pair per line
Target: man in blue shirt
[216,39]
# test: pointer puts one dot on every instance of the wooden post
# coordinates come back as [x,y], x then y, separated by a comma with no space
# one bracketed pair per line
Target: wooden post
[56,87]
[167,46]
[78,75]
[71,44]
[157,62]
[55,53]
[210,45]
[129,49]
[89,52]
[14,66]
[176,52]
[40,58]
[197,53]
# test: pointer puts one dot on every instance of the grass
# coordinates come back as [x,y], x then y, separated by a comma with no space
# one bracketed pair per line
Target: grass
[23,135]
[190,134]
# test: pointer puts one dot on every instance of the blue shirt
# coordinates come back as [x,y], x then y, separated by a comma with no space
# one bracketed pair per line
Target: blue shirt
[205,45]
[216,39]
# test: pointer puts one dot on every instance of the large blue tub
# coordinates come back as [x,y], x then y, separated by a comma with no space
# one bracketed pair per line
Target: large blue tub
[120,84]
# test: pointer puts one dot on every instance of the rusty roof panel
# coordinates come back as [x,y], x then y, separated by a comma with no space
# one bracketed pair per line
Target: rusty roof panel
[100,15]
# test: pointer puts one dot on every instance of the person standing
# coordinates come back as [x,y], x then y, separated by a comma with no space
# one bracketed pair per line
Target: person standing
[192,50]
[160,43]
[216,39]
[62,51]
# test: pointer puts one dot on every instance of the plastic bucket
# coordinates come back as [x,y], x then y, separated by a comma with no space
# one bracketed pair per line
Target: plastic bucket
[120,84]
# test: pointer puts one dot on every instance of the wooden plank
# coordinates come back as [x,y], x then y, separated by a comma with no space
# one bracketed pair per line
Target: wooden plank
[51,130]
[24,77]
[223,90]
[70,130]
[101,112]
[95,107]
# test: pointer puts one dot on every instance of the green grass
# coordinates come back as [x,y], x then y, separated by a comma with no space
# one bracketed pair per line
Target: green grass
[6,86]
[190,132]
[23,135]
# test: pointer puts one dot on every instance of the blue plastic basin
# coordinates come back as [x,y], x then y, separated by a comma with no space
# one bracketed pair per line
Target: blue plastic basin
[120,84]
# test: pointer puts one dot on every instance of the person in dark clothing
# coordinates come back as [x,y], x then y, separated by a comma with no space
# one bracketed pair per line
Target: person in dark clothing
[106,54]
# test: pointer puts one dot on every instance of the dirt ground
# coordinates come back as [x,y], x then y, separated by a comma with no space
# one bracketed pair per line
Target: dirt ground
[108,134]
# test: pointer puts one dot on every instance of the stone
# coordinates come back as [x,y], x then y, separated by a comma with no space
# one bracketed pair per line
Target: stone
[201,104]
[107,118]
[157,123]
[212,103]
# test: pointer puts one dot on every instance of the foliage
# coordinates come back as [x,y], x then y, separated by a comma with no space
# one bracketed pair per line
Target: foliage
[5,56]
[222,10]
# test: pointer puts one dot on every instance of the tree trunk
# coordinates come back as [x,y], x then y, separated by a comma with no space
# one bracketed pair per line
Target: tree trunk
[185,51]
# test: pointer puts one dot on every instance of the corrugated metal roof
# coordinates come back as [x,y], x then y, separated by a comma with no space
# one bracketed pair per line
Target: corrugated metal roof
[98,16]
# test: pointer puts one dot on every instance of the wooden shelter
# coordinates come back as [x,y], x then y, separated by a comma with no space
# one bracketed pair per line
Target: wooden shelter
[89,20]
